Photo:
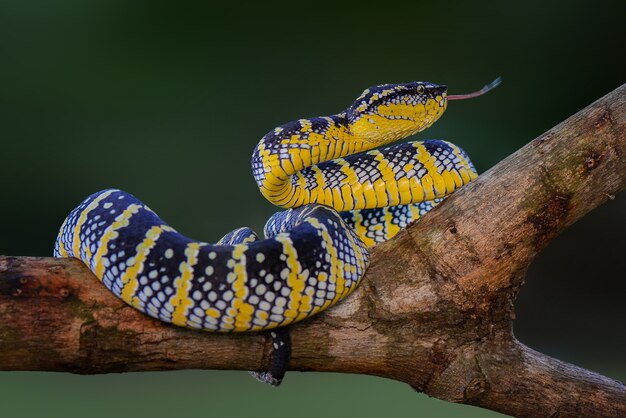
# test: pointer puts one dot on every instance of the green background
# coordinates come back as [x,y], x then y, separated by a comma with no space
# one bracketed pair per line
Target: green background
[166,101]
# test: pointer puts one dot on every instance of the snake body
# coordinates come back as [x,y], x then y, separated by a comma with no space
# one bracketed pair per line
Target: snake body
[312,256]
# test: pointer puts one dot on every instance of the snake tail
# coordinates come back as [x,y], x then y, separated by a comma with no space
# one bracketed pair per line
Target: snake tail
[280,337]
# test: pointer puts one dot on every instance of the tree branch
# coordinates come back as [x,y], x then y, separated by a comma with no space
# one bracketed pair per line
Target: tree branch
[434,309]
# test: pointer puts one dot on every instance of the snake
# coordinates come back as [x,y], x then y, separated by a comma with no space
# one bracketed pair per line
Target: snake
[344,189]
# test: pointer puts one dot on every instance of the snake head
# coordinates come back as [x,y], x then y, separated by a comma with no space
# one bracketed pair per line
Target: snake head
[388,112]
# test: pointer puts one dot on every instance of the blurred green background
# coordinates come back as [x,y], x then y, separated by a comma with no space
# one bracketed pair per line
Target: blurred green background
[166,101]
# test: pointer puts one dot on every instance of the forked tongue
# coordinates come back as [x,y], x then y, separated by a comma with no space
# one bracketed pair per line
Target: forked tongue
[495,83]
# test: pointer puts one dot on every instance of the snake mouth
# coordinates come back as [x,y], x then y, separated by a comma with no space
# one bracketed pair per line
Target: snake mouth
[440,90]
[440,93]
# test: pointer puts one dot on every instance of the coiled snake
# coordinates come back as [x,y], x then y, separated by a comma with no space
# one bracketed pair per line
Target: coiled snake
[344,196]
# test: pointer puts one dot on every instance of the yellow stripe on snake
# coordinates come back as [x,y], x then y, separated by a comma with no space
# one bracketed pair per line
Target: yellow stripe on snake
[344,196]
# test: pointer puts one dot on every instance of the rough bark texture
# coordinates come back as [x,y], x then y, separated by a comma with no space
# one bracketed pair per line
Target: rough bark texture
[434,310]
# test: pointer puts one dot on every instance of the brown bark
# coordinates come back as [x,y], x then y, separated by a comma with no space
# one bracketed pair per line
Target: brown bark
[434,310]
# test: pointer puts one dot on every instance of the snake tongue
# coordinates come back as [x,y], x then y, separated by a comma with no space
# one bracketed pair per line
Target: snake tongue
[488,87]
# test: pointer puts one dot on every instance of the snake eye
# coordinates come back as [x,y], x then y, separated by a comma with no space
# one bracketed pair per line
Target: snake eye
[421,89]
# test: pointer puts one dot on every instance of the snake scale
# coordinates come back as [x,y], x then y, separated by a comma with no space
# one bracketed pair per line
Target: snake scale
[343,195]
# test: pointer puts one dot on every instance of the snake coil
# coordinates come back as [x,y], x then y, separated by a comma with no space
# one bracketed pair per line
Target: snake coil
[343,195]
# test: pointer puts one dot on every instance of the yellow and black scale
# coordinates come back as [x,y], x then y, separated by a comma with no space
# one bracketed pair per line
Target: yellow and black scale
[344,196]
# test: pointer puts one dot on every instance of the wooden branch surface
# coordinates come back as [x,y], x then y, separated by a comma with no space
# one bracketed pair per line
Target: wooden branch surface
[434,309]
